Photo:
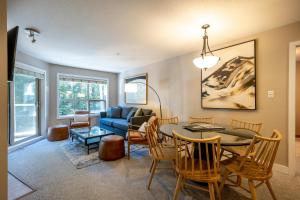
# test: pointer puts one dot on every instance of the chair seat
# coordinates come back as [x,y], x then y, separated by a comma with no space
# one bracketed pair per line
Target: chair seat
[250,170]
[79,124]
[135,139]
[238,150]
[136,136]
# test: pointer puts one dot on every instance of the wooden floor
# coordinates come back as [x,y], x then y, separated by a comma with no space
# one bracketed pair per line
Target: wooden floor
[17,188]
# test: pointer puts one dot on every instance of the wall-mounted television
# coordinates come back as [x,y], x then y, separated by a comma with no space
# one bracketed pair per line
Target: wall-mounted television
[12,39]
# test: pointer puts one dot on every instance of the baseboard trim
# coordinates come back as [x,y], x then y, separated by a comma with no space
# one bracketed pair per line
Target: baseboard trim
[24,144]
[281,168]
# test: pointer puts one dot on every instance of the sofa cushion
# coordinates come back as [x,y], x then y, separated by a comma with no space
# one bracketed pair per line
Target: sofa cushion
[138,112]
[114,112]
[125,112]
[130,114]
[146,111]
[120,124]
[107,121]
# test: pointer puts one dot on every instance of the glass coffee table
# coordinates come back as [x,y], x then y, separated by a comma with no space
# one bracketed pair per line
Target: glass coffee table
[90,136]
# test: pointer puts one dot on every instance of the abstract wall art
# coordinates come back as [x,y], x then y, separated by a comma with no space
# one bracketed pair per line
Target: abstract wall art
[231,84]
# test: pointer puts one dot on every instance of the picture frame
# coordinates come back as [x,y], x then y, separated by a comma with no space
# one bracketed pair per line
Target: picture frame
[231,84]
[140,97]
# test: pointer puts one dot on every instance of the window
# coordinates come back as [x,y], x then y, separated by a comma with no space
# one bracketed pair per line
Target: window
[79,93]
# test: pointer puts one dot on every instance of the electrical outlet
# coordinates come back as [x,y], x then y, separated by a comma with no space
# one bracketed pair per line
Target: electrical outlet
[271,93]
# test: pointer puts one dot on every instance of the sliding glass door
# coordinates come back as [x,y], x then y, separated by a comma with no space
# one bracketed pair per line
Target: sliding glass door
[26,108]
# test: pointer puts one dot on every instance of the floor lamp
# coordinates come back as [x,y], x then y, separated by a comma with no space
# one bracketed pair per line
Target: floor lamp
[132,87]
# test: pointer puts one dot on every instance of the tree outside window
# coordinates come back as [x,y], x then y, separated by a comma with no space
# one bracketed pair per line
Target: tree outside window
[80,94]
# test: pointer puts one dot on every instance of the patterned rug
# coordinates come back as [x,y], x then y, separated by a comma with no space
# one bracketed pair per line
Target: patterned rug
[77,153]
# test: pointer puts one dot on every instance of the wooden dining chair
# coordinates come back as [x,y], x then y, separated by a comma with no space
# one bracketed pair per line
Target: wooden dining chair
[207,120]
[137,137]
[158,151]
[256,165]
[172,120]
[241,125]
[162,121]
[238,124]
[199,162]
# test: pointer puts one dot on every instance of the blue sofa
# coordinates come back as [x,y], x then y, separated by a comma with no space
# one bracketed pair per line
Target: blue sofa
[117,119]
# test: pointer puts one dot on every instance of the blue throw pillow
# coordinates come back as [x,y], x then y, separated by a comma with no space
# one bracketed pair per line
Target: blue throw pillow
[114,112]
[130,114]
[125,111]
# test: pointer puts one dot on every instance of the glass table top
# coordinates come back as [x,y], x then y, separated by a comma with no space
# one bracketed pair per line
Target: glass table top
[90,132]
[229,137]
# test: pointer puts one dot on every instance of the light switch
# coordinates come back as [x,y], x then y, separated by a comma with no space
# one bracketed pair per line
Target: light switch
[271,94]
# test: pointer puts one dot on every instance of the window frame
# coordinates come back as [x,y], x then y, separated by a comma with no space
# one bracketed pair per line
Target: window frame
[87,78]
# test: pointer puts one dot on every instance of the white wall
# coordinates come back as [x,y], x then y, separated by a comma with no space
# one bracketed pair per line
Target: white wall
[55,69]
[178,83]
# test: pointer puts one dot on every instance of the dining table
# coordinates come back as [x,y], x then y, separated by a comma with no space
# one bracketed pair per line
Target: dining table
[229,136]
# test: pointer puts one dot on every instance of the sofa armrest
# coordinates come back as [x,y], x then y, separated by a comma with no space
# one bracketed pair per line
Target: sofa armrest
[103,114]
[139,120]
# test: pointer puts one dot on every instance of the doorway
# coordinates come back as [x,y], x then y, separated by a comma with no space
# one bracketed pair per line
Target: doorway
[26,107]
[297,132]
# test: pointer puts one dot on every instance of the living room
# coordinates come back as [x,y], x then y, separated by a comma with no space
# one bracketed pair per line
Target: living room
[92,82]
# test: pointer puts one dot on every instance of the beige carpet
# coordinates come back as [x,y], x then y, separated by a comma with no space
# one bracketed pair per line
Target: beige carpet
[45,166]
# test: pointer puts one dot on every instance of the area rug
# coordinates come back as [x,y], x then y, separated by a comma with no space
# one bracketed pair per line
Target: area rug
[17,188]
[77,153]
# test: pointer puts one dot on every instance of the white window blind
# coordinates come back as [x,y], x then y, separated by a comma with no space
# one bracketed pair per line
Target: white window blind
[29,73]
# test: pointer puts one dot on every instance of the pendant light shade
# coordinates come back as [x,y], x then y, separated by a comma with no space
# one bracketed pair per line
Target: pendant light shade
[207,59]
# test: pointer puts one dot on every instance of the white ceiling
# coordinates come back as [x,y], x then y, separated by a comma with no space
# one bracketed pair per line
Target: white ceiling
[118,35]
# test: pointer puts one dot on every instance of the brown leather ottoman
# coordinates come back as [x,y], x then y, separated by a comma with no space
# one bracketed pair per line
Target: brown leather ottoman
[111,148]
[58,132]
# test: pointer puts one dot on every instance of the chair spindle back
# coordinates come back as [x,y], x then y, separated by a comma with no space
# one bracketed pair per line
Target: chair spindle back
[197,157]
[153,139]
[263,151]
[172,120]
[254,127]
[207,120]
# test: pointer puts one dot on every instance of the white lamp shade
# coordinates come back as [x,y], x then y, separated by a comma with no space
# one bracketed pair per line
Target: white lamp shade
[131,87]
[206,61]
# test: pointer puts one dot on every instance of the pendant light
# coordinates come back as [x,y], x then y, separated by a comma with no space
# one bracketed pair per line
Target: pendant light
[207,59]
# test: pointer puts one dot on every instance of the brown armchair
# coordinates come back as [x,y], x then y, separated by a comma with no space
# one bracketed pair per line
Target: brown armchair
[137,137]
[76,123]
